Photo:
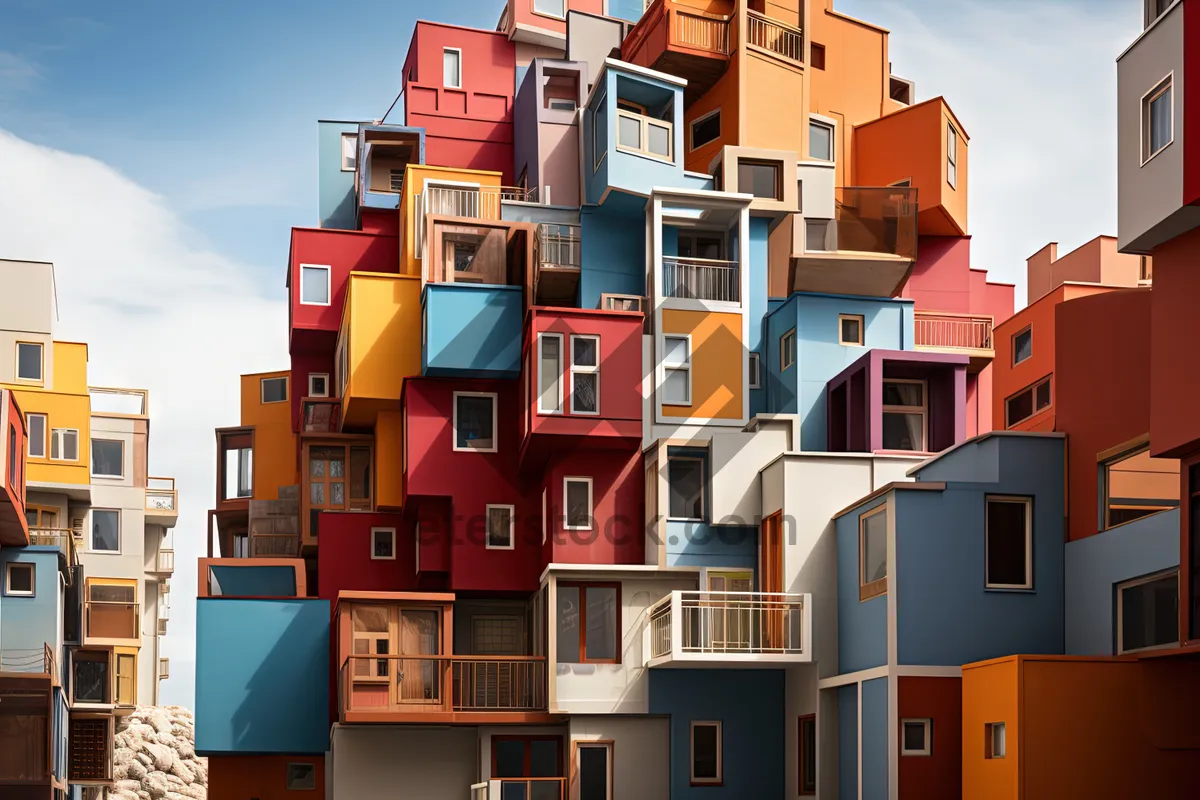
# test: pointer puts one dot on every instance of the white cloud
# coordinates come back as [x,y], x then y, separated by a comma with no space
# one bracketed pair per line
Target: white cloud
[158,311]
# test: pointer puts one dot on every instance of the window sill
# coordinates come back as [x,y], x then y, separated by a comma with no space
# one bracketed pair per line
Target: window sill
[319,305]
[1157,153]
[648,156]
[1010,589]
[700,520]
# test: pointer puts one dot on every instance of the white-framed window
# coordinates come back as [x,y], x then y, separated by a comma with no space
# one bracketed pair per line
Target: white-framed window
[349,151]
[106,531]
[595,765]
[550,390]
[314,284]
[1022,345]
[108,458]
[821,136]
[341,367]
[754,367]
[850,329]
[35,424]
[916,737]
[318,384]
[19,579]
[30,364]
[1008,530]
[301,777]
[951,156]
[383,544]
[545,520]
[560,104]
[452,67]
[706,756]
[996,740]
[1148,612]
[273,390]
[705,129]
[577,504]
[904,415]
[500,527]
[475,422]
[685,486]
[551,8]
[64,444]
[645,136]
[585,374]
[677,370]
[1158,118]
[787,349]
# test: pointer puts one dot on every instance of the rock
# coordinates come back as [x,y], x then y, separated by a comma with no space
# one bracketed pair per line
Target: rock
[154,756]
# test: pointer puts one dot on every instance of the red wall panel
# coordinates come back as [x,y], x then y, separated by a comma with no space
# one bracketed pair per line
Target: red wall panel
[305,363]
[344,560]
[1191,104]
[1175,329]
[939,774]
[618,534]
[940,278]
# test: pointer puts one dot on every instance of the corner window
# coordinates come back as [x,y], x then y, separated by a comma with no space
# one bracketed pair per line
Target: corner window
[1009,545]
[916,737]
[820,140]
[595,770]
[18,579]
[273,390]
[301,777]
[685,483]
[452,68]
[551,8]
[760,178]
[1158,119]
[787,349]
[349,151]
[1148,612]
[475,421]
[995,740]
[108,458]
[383,544]
[677,370]
[807,756]
[314,285]
[499,527]
[1022,345]
[706,766]
[706,129]
[1136,485]
[1027,402]
[577,504]
[754,367]
[29,362]
[106,531]
[872,553]
[35,425]
[64,444]
[951,156]
[904,405]
[550,394]
[585,374]
[589,620]
[850,329]
[318,384]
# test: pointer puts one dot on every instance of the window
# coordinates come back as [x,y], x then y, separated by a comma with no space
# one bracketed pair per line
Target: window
[706,753]
[1027,402]
[1148,612]
[589,621]
[301,777]
[1155,9]
[1158,119]
[451,67]
[904,415]
[916,738]
[994,740]
[396,180]
[525,757]
[342,367]
[754,366]
[787,349]
[29,362]
[817,56]
[108,458]
[383,544]
[126,679]
[850,329]
[951,156]
[318,384]
[349,151]
[600,132]
[706,129]
[273,390]
[685,482]
[551,8]
[637,133]
[1136,485]
[820,235]
[677,370]
[106,531]
[314,285]
[499,528]
[64,444]
[900,90]
[89,676]
[585,374]
[820,140]
[1009,549]
[577,504]
[560,104]
[702,244]
[595,770]
[1022,345]
[36,425]
[13,461]
[550,394]
[18,579]
[760,178]
[872,549]
[475,421]
[807,757]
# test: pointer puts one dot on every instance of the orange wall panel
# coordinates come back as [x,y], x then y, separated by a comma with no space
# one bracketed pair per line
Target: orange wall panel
[722,95]
[990,693]
[261,777]
[775,115]
[274,442]
[717,385]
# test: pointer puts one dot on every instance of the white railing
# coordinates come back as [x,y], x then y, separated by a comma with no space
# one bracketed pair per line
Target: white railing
[953,331]
[781,39]
[559,245]
[701,32]
[702,279]
[161,494]
[166,562]
[471,202]
[727,623]
[479,791]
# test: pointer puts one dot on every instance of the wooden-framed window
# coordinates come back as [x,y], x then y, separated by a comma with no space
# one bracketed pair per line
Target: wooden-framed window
[1033,399]
[383,544]
[589,623]
[550,372]
[315,284]
[64,444]
[872,553]
[643,135]
[806,757]
[1008,530]
[19,580]
[111,611]
[905,415]
[706,767]
[594,763]
[916,737]
[577,503]
[1022,345]
[951,156]
[995,740]
[850,329]
[30,362]
[475,422]
[273,390]
[301,777]
[1134,485]
[516,756]
[763,179]
[108,458]
[705,128]
[1148,612]
[585,374]
[501,525]
[379,631]
[35,426]
[126,676]
[787,349]
[41,516]
[1158,118]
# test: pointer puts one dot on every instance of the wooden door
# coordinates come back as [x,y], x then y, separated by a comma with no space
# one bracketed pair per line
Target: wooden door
[418,680]
[770,577]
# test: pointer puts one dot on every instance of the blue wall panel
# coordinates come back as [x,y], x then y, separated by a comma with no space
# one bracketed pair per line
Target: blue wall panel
[847,734]
[614,252]
[471,330]
[698,544]
[335,188]
[875,739]
[862,625]
[31,622]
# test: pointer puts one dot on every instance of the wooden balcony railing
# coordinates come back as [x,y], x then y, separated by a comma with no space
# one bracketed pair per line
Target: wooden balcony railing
[439,683]
[699,31]
[953,331]
[701,279]
[720,623]
[62,538]
[779,38]
[161,495]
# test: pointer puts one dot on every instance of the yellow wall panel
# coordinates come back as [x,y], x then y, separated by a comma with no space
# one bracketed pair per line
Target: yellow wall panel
[385,341]
[274,442]
[718,359]
[414,184]
[389,460]
[62,411]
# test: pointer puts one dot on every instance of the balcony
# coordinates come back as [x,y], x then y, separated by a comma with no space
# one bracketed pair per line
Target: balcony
[701,279]
[681,40]
[774,37]
[521,789]
[729,629]
[558,259]
[969,334]
[387,150]
[474,202]
[62,538]
[165,563]
[162,501]
[320,415]
[32,662]
[111,613]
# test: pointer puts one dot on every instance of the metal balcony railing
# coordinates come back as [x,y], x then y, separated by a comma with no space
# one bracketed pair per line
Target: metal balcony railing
[727,623]
[702,279]
[471,202]
[559,245]
[33,660]
[779,38]
[161,494]
[439,683]
[953,331]
[62,538]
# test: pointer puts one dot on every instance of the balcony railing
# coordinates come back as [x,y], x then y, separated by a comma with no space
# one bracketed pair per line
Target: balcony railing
[953,331]
[559,245]
[33,660]
[868,219]
[437,683]
[779,38]
[62,538]
[520,789]
[320,415]
[474,202]
[700,31]
[165,563]
[702,279]
[104,619]
[727,623]
[161,495]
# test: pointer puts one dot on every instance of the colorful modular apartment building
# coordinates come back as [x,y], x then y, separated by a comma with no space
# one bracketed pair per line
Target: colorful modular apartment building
[85,551]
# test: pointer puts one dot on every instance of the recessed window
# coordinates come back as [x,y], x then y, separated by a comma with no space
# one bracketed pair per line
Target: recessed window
[995,741]
[475,421]
[916,737]
[595,770]
[642,134]
[820,236]
[552,8]
[951,156]
[706,754]
[685,482]
[550,396]
[383,544]
[820,140]
[585,374]
[273,390]
[807,757]
[1009,545]
[396,181]
[787,349]
[1136,485]
[850,329]
[18,579]
[452,68]
[754,365]
[561,104]
[106,531]
[1148,612]
[706,129]
[1022,345]
[760,178]
[500,534]
[108,458]
[314,285]
[1027,402]
[904,405]
[577,504]
[1158,119]
[588,619]
[318,384]
[677,370]
[816,56]
[702,244]
[301,777]
[29,362]
[872,549]
[64,444]
[90,676]
[349,151]
[35,425]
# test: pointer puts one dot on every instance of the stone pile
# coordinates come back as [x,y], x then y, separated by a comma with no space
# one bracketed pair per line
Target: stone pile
[155,757]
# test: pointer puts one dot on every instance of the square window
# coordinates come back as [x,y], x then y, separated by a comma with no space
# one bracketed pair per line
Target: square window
[1158,119]
[1009,548]
[29,361]
[706,129]
[685,481]
[595,771]
[1136,485]
[820,140]
[314,285]
[383,544]
[706,766]
[273,390]
[850,329]
[318,384]
[90,676]
[550,373]
[301,777]
[916,737]
[754,367]
[995,740]
[760,178]
[64,444]
[349,151]
[108,458]
[1148,612]
[1022,345]
[904,415]
[35,425]
[577,504]
[106,531]
[787,349]
[18,579]
[872,543]
[475,422]
[500,528]
[452,68]
[588,619]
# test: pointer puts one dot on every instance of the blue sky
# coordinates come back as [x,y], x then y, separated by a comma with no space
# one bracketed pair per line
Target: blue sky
[165,149]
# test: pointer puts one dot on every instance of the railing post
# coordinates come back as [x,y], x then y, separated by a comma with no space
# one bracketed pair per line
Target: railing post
[677,622]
